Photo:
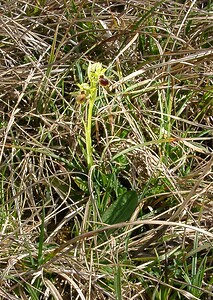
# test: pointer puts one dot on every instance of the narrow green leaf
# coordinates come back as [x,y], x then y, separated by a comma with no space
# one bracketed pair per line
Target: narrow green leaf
[117,283]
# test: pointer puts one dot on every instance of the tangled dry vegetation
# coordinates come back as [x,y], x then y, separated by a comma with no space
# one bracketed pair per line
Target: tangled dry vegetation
[151,134]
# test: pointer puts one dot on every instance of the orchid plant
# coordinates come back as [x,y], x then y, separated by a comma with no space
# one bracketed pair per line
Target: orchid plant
[89,93]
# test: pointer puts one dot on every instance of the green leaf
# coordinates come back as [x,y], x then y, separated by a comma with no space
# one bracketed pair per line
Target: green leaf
[82,184]
[117,282]
[122,209]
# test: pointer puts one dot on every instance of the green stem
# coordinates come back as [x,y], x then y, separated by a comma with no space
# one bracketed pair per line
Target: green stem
[89,128]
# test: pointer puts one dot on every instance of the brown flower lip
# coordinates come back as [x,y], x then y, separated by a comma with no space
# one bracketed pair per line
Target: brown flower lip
[103,81]
[81,98]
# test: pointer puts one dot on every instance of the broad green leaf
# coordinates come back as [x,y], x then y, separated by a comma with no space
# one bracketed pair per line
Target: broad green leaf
[122,209]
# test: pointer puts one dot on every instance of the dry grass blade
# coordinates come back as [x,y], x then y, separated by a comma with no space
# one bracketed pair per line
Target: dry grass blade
[53,290]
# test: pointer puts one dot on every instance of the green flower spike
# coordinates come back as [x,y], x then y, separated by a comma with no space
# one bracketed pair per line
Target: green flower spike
[95,72]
